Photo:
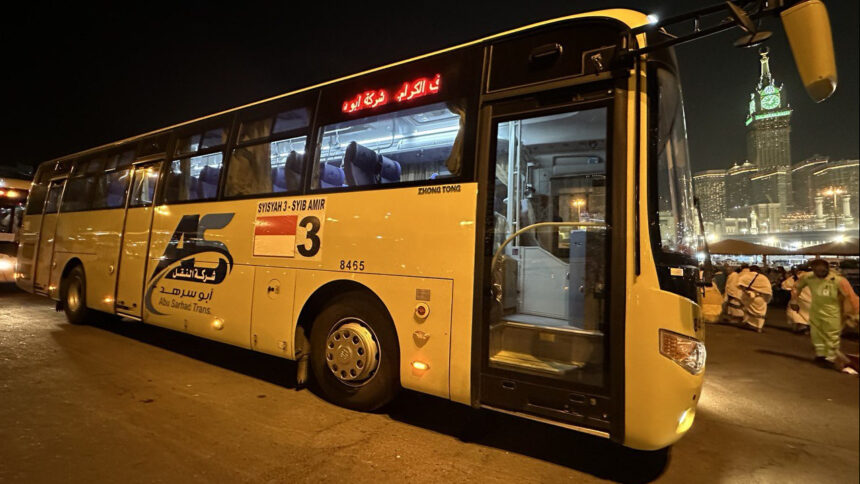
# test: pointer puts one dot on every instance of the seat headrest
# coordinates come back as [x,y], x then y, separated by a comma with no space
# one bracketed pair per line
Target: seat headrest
[331,176]
[361,165]
[209,174]
[364,166]
[116,186]
[390,170]
[295,162]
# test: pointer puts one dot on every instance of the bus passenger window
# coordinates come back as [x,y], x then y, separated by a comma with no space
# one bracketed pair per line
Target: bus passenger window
[197,171]
[143,190]
[36,200]
[268,167]
[113,185]
[112,188]
[270,155]
[193,178]
[82,185]
[416,144]
[53,202]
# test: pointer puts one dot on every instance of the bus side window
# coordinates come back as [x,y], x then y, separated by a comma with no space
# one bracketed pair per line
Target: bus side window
[193,178]
[82,185]
[195,172]
[415,144]
[53,201]
[36,200]
[269,156]
[143,191]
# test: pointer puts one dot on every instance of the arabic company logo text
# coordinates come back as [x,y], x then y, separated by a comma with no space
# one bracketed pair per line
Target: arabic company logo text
[187,241]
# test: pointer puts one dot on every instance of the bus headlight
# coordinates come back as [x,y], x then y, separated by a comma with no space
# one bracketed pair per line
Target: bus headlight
[5,265]
[686,351]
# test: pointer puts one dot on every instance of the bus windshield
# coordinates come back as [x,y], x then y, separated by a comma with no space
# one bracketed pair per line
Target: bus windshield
[676,222]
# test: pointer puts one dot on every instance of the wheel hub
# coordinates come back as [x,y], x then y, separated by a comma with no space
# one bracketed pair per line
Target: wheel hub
[73,297]
[352,352]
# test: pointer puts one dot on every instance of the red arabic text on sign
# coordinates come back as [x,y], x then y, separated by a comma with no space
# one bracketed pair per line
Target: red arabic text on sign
[407,92]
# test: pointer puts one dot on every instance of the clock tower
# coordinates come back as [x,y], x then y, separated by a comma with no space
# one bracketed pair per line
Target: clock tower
[768,122]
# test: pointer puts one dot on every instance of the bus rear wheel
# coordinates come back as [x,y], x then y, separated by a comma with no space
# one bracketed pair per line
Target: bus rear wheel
[355,356]
[74,296]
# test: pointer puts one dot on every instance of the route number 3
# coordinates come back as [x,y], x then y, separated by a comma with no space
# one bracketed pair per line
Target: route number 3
[311,224]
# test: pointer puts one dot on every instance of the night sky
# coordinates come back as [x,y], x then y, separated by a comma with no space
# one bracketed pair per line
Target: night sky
[78,76]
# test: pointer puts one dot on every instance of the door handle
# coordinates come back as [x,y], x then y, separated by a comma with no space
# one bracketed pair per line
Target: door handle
[544,55]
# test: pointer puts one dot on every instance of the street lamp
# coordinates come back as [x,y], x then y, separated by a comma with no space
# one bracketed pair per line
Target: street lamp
[834,191]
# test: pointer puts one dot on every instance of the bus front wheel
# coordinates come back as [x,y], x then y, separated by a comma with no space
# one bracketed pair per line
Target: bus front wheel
[355,356]
[74,296]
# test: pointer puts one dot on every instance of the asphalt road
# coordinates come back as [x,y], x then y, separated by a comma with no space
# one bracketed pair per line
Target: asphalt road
[126,402]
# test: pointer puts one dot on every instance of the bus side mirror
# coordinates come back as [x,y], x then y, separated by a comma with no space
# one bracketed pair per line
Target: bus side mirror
[808,29]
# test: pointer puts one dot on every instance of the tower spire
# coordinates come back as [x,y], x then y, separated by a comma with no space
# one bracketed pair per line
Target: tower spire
[766,79]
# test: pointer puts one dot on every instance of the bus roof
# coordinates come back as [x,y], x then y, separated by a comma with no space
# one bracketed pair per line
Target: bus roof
[631,18]
[16,183]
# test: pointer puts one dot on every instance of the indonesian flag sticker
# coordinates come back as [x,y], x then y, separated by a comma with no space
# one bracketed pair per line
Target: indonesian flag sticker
[275,236]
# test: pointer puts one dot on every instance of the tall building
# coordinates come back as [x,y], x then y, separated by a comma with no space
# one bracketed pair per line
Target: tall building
[836,186]
[710,188]
[768,122]
[738,193]
[769,140]
[803,190]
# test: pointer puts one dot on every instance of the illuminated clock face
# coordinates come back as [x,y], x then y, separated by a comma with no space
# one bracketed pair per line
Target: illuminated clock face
[770,101]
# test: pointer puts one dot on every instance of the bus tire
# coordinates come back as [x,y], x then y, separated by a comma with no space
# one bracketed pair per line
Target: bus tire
[355,332]
[74,296]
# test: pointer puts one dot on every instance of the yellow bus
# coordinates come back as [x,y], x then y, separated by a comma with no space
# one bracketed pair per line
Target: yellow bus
[13,194]
[508,224]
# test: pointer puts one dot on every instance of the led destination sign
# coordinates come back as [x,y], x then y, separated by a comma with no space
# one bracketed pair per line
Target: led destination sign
[379,97]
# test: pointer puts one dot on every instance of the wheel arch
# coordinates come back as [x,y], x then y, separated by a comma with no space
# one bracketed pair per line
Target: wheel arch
[67,268]
[318,300]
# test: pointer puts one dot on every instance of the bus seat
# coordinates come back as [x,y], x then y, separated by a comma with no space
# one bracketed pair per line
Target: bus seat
[115,193]
[279,180]
[389,171]
[361,165]
[293,173]
[364,166]
[331,176]
[207,182]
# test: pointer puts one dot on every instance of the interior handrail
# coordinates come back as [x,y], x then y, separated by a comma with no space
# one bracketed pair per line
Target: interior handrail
[538,225]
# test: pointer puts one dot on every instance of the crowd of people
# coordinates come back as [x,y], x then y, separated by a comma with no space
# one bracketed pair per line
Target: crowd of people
[817,299]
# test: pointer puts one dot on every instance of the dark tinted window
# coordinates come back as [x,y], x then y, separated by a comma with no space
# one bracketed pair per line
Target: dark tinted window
[201,141]
[53,202]
[79,194]
[143,191]
[153,145]
[36,200]
[112,188]
[285,122]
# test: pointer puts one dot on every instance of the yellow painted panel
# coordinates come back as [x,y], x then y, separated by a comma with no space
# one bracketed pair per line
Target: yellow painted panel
[421,340]
[272,311]
[93,237]
[132,264]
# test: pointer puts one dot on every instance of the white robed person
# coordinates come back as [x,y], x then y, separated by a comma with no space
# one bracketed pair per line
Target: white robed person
[756,293]
[734,295]
[799,319]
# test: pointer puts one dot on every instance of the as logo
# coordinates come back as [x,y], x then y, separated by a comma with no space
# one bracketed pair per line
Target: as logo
[187,241]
